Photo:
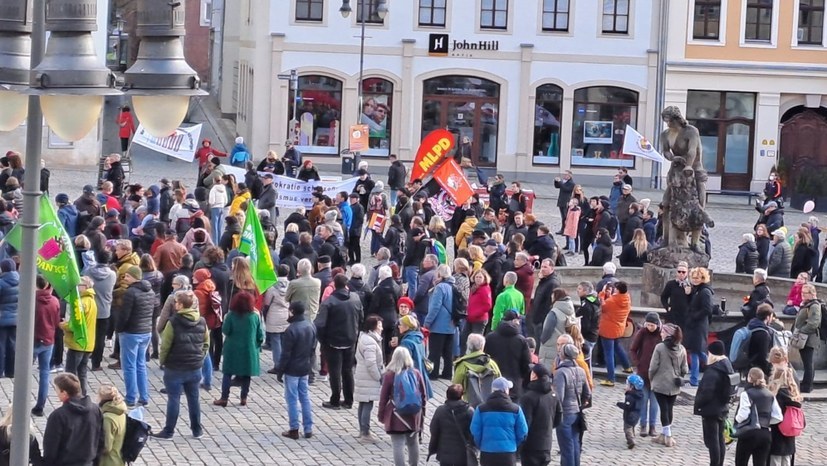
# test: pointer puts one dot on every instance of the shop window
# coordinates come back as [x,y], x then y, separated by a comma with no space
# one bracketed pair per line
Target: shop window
[377,106]
[432,12]
[556,15]
[469,108]
[599,125]
[319,108]
[494,14]
[758,25]
[616,16]
[548,105]
[371,16]
[707,20]
[810,22]
[309,10]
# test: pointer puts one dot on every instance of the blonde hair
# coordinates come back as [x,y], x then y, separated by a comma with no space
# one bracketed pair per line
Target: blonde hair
[497,236]
[436,224]
[475,253]
[292,228]
[273,153]
[83,242]
[6,420]
[109,393]
[241,276]
[461,266]
[576,335]
[640,243]
[784,377]
[484,274]
[701,272]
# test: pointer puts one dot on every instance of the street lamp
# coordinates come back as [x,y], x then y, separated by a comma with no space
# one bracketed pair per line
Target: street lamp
[381,11]
[160,81]
[15,44]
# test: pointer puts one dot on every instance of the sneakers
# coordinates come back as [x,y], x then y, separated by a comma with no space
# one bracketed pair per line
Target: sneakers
[628,370]
[660,439]
[198,434]
[366,438]
[162,435]
[323,378]
[644,431]
[669,441]
[607,383]
[56,369]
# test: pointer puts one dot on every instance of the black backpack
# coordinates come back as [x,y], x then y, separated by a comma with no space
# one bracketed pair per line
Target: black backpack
[822,328]
[135,438]
[459,305]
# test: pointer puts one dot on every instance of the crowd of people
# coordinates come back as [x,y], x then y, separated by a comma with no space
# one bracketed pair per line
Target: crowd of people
[162,278]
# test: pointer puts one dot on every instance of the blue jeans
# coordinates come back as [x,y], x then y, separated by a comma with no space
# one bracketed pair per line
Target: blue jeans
[133,362]
[569,440]
[411,278]
[649,408]
[8,335]
[295,391]
[43,356]
[275,346]
[207,370]
[217,220]
[610,347]
[394,195]
[695,367]
[187,382]
[570,243]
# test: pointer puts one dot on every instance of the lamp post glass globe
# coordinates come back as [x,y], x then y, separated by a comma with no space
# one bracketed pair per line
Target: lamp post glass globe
[14,106]
[71,117]
[160,115]
[345,9]
[382,10]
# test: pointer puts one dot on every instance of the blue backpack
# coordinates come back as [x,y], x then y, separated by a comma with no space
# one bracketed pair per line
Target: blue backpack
[240,158]
[407,396]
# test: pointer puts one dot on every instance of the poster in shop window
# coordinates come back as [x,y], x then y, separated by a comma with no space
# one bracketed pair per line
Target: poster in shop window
[598,132]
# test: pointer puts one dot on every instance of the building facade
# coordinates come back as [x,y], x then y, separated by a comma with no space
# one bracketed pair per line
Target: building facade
[750,74]
[529,87]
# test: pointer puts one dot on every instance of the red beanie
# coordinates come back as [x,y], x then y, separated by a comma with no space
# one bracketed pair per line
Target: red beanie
[405,300]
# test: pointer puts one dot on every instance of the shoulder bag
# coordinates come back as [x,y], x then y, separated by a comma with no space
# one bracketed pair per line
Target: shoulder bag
[471,452]
[749,424]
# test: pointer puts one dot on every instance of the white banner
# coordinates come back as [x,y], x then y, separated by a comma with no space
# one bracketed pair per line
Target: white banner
[181,145]
[635,144]
[296,193]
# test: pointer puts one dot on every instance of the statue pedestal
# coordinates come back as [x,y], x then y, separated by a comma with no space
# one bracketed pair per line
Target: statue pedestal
[660,269]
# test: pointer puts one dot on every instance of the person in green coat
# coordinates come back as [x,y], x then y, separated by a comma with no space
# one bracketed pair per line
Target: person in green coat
[114,425]
[243,336]
[509,299]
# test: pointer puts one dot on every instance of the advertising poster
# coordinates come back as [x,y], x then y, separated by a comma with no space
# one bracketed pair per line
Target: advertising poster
[598,132]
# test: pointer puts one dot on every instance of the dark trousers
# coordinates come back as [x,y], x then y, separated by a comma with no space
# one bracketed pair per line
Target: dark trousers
[441,347]
[8,335]
[156,338]
[755,444]
[340,369]
[354,248]
[563,211]
[216,346]
[809,368]
[497,459]
[535,457]
[77,362]
[101,328]
[666,404]
[713,428]
[227,381]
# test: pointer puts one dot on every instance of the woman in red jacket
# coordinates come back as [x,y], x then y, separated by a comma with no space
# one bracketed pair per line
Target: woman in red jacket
[480,303]
[126,126]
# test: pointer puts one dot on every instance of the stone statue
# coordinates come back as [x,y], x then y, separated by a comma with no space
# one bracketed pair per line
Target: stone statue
[685,196]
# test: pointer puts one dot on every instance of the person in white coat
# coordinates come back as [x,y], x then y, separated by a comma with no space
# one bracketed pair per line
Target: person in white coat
[217,200]
[368,376]
[276,314]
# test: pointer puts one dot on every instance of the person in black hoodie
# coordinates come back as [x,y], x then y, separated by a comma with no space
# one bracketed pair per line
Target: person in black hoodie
[451,430]
[396,176]
[404,208]
[543,413]
[759,295]
[760,338]
[305,249]
[354,234]
[603,250]
[74,431]
[747,259]
[494,264]
[231,229]
[712,401]
[510,351]
[541,302]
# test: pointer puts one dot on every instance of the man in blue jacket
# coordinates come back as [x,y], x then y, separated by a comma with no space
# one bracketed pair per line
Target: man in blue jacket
[499,426]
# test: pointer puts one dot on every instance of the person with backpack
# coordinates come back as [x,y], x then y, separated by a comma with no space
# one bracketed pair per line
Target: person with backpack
[74,430]
[113,407]
[542,411]
[475,371]
[185,342]
[783,385]
[809,321]
[240,155]
[759,341]
[411,338]
[756,443]
[499,426]
[712,401]
[402,402]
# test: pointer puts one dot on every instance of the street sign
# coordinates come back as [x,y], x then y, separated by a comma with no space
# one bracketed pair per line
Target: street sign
[283,76]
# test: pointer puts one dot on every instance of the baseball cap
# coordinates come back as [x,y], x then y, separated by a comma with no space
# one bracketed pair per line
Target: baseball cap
[501,384]
[491,242]
[510,315]
[62,198]
[111,213]
[267,175]
[88,189]
[627,186]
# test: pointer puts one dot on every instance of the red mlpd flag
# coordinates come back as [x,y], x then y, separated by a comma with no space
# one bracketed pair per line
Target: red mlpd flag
[450,176]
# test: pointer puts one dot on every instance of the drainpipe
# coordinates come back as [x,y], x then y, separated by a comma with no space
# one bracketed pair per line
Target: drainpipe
[660,86]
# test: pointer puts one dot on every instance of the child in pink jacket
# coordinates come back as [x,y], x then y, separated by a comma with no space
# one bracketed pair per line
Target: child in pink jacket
[572,223]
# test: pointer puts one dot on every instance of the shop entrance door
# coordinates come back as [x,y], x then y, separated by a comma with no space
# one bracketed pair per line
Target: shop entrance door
[471,121]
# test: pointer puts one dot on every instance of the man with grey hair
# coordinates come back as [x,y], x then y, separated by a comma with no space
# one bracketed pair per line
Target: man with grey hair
[780,256]
[609,270]
[383,256]
[479,368]
[510,299]
[427,277]
[357,285]
[760,294]
[440,322]
[746,261]
[308,290]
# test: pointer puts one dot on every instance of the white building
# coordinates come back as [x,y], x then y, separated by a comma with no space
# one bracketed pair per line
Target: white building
[538,86]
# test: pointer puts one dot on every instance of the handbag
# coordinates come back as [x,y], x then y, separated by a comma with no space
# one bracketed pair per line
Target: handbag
[799,340]
[749,424]
[471,453]
[629,330]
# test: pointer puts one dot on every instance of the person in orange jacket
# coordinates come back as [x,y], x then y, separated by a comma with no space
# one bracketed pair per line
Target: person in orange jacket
[617,305]
[126,126]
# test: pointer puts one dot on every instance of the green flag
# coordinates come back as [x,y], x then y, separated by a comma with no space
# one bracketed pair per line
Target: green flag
[254,245]
[56,262]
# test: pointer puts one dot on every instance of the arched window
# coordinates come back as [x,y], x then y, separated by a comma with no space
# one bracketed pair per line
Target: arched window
[600,118]
[548,105]
[377,108]
[319,107]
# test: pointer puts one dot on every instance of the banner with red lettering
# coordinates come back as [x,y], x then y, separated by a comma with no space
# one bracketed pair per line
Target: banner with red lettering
[449,175]
[181,144]
[436,145]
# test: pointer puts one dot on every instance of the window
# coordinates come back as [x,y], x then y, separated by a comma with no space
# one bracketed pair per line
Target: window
[555,15]
[309,10]
[707,19]
[758,26]
[205,17]
[726,123]
[599,125]
[494,14]
[810,21]
[377,105]
[372,16]
[616,16]
[432,12]
[548,106]
[319,109]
